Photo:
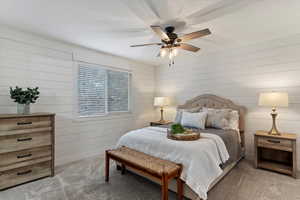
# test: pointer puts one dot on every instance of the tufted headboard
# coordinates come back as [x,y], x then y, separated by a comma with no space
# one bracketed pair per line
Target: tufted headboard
[213,101]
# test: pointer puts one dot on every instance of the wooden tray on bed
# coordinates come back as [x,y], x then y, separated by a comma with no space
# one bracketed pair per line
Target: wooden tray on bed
[186,136]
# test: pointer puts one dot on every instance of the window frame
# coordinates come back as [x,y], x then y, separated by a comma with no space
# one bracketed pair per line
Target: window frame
[112,114]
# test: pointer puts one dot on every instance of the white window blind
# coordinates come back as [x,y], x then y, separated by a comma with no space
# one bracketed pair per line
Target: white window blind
[117,90]
[102,90]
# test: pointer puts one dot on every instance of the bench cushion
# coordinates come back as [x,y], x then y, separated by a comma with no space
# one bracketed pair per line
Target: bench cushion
[145,162]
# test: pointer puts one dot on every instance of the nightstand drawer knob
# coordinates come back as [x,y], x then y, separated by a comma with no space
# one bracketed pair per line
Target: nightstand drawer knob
[274,141]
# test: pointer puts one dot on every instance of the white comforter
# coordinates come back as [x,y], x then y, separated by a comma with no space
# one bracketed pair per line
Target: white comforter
[200,158]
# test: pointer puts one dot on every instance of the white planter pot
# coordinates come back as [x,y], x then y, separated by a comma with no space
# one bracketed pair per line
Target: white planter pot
[23,109]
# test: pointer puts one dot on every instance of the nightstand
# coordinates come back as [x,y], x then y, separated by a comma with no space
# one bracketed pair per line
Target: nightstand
[160,123]
[276,152]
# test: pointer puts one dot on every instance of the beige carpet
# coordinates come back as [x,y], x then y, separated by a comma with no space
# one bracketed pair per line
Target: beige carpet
[84,180]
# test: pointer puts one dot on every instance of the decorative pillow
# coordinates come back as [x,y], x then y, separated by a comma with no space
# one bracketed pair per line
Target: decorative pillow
[217,118]
[196,120]
[234,120]
[179,113]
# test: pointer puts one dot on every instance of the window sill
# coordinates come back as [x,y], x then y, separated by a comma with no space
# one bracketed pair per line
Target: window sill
[110,116]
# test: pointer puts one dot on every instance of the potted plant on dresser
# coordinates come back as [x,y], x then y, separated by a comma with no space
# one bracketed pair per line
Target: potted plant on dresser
[24,98]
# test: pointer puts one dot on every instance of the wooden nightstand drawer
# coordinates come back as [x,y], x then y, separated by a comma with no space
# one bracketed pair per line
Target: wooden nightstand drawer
[24,141]
[24,174]
[274,143]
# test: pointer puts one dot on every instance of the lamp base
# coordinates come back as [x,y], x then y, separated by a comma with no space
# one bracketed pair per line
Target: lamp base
[274,130]
[162,121]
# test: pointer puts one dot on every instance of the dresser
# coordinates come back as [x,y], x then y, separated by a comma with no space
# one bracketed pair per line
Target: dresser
[276,152]
[26,148]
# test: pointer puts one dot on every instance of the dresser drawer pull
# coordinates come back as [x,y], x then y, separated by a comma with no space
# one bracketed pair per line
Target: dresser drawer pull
[24,156]
[274,141]
[23,173]
[24,123]
[23,139]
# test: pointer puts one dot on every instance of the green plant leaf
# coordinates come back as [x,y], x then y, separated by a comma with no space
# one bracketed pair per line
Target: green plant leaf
[177,128]
[30,95]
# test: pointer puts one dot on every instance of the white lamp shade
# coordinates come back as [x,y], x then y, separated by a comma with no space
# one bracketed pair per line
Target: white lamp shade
[161,101]
[274,99]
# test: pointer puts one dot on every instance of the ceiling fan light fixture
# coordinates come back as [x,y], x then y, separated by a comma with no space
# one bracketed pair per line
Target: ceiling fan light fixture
[175,51]
[171,54]
[163,52]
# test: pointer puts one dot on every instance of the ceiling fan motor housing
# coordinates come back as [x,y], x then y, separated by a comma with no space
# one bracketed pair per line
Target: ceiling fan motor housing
[172,36]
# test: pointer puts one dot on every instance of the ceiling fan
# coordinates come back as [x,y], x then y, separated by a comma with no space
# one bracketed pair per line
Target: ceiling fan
[170,42]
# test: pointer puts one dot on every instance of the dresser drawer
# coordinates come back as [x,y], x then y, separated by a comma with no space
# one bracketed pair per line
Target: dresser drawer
[24,123]
[275,143]
[24,131]
[24,141]
[9,160]
[24,174]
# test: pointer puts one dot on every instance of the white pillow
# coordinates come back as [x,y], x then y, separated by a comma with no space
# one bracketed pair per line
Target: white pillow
[179,113]
[196,120]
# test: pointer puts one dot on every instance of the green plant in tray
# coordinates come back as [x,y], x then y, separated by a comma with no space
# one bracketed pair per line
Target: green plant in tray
[177,128]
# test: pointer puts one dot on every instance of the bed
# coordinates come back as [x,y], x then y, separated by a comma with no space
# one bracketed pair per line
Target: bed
[212,157]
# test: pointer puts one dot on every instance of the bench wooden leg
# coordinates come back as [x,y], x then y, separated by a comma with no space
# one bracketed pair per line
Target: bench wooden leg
[106,167]
[118,167]
[179,189]
[123,169]
[164,188]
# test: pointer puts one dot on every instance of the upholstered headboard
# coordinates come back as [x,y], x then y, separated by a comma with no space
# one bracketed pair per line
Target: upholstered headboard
[213,101]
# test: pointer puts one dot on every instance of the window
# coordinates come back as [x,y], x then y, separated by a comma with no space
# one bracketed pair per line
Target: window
[102,90]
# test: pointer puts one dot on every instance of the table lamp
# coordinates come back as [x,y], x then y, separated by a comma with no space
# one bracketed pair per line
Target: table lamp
[274,100]
[161,102]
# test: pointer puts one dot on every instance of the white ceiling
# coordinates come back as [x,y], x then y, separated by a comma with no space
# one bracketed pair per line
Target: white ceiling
[111,26]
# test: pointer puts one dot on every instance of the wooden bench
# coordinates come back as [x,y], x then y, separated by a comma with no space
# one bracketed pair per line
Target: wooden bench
[149,166]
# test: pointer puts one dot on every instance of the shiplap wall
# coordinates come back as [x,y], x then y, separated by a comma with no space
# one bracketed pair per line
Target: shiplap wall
[240,74]
[28,60]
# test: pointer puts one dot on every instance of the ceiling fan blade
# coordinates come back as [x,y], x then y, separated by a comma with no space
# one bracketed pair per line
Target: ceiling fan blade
[141,45]
[194,35]
[159,31]
[188,47]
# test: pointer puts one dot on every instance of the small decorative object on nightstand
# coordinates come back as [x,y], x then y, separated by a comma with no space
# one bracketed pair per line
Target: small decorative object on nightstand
[276,152]
[274,99]
[161,102]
